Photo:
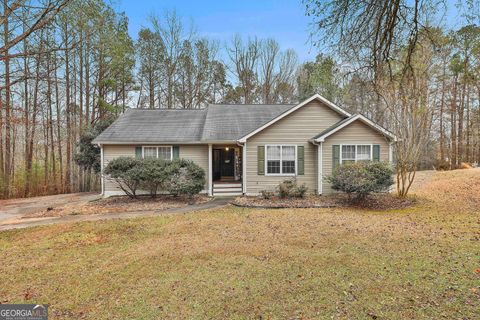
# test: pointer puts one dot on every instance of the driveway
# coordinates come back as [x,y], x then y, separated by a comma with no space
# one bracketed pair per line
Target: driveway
[11,211]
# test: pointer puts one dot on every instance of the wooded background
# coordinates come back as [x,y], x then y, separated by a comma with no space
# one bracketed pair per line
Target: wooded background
[68,68]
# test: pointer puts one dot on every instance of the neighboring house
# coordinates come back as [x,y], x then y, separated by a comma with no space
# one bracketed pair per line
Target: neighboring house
[245,149]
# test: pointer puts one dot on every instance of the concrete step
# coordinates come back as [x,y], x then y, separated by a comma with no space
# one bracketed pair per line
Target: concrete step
[227,185]
[227,189]
[227,194]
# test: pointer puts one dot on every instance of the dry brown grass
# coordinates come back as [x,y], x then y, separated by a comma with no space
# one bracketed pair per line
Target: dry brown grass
[456,189]
[414,263]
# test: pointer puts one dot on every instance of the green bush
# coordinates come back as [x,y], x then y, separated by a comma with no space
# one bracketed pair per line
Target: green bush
[184,177]
[178,177]
[154,174]
[362,178]
[291,189]
[127,173]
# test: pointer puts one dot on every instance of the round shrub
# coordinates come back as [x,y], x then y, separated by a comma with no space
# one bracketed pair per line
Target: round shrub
[362,178]
[127,173]
[184,177]
[154,174]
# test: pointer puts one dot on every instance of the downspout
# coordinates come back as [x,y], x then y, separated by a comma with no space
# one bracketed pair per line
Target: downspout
[319,165]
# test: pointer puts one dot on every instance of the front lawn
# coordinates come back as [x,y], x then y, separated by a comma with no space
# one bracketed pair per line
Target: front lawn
[421,262]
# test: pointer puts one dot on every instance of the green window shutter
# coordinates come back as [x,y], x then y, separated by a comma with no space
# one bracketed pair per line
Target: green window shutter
[176,152]
[301,160]
[376,152]
[335,156]
[261,160]
[138,152]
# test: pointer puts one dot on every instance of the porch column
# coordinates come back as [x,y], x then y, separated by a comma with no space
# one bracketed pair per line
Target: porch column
[320,168]
[210,173]
[244,168]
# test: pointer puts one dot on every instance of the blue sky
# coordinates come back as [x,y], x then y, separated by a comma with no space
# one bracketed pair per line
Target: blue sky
[283,20]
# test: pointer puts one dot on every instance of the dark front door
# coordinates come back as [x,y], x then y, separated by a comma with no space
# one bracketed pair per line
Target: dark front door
[223,163]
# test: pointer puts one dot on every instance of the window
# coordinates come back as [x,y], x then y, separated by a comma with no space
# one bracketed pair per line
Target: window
[363,153]
[273,159]
[348,154]
[288,159]
[281,160]
[354,153]
[163,152]
[150,152]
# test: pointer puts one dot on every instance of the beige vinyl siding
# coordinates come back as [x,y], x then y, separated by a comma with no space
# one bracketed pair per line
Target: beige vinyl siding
[355,133]
[199,155]
[297,128]
[111,152]
[196,153]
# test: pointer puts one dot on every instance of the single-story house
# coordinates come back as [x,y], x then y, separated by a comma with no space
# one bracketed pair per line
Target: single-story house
[245,149]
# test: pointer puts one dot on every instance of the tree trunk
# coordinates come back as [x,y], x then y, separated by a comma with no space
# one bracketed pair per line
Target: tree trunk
[6,61]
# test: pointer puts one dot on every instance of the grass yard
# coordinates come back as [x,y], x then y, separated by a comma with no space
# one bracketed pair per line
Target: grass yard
[421,262]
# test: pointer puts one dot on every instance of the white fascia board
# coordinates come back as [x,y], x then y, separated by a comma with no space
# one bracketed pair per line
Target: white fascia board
[365,120]
[291,110]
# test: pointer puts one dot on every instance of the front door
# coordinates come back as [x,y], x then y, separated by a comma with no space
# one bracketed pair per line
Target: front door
[228,162]
[223,163]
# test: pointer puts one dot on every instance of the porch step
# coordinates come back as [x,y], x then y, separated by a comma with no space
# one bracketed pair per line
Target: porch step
[217,190]
[227,194]
[227,189]
[227,185]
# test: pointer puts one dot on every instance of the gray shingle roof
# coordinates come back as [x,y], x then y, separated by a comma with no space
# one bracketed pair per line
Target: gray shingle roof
[155,126]
[214,123]
[336,125]
[231,122]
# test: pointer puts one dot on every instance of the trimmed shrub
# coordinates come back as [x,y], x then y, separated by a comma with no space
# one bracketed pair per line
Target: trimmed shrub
[267,194]
[127,173]
[154,174]
[184,177]
[362,178]
[290,189]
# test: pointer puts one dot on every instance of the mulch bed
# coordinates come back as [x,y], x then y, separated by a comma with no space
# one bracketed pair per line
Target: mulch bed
[372,202]
[121,204]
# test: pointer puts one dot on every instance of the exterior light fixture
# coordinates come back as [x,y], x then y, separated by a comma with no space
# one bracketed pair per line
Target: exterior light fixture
[227,148]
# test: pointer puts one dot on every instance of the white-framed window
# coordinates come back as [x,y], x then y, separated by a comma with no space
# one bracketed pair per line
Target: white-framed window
[281,159]
[364,153]
[356,152]
[160,152]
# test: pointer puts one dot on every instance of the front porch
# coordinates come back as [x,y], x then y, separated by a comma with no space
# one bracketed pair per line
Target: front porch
[226,170]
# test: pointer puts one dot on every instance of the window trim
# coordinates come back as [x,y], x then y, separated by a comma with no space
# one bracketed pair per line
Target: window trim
[281,174]
[158,146]
[356,145]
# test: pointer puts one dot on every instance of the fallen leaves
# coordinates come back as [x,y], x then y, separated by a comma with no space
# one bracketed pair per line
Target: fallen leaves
[120,204]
